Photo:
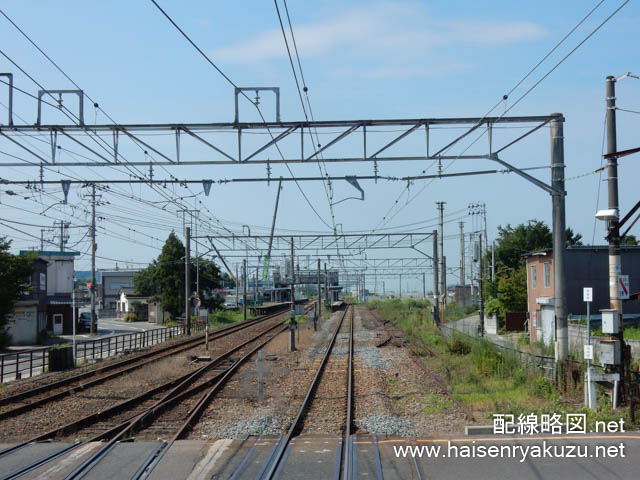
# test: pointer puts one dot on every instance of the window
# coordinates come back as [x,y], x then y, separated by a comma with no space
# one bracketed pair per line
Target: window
[534,276]
[547,275]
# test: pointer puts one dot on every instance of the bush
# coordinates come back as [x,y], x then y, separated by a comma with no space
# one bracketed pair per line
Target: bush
[459,344]
[543,388]
[489,360]
[130,317]
[494,307]
[519,378]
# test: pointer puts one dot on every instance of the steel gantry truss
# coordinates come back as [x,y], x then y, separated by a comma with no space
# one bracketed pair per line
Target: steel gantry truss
[211,135]
[320,242]
[279,135]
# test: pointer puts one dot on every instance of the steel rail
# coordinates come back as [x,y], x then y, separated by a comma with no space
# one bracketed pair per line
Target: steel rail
[347,450]
[166,352]
[117,432]
[298,420]
[199,408]
[73,426]
[112,366]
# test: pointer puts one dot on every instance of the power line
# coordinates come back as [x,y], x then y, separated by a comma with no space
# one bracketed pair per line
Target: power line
[206,57]
[531,88]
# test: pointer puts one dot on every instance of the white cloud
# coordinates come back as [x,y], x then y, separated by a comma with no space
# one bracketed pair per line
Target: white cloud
[403,29]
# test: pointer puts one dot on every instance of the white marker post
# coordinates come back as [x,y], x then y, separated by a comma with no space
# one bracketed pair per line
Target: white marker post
[587,296]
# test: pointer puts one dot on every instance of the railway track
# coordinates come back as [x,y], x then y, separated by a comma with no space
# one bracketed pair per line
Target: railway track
[275,463]
[22,402]
[167,410]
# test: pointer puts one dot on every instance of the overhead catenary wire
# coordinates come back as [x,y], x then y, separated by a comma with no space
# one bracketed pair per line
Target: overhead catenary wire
[206,57]
[535,85]
[76,85]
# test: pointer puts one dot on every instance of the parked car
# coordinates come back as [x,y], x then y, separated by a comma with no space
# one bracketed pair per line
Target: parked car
[84,322]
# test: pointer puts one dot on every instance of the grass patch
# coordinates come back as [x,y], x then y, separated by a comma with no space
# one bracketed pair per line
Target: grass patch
[480,375]
[219,318]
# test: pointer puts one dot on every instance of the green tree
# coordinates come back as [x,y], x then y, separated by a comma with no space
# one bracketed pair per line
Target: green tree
[629,239]
[210,280]
[169,276]
[512,289]
[164,278]
[14,276]
[573,239]
[145,283]
[512,242]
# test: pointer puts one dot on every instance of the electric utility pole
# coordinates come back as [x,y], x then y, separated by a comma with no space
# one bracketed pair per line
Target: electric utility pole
[92,328]
[244,289]
[187,280]
[559,238]
[292,323]
[436,290]
[443,273]
[480,285]
[319,293]
[461,225]
[613,233]
[326,285]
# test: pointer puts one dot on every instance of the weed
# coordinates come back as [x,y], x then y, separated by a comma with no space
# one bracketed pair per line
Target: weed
[459,344]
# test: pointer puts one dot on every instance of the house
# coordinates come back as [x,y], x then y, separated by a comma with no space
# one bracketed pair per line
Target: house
[586,266]
[113,282]
[47,306]
[60,268]
[125,303]
[29,316]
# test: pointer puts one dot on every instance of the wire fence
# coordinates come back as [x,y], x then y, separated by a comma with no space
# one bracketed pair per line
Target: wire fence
[528,360]
[28,363]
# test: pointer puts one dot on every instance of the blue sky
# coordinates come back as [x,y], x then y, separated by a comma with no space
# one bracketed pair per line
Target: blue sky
[361,60]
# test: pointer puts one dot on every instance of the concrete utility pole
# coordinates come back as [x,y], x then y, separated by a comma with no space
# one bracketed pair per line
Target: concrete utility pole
[400,283]
[187,279]
[197,257]
[480,278]
[424,286]
[493,260]
[61,236]
[92,328]
[292,324]
[613,230]
[436,289]
[255,290]
[237,285]
[364,289]
[443,273]
[443,276]
[244,289]
[615,266]
[319,307]
[326,285]
[559,237]
[471,260]
[461,224]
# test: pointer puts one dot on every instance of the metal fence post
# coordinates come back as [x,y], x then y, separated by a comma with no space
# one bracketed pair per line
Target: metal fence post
[17,364]
[31,363]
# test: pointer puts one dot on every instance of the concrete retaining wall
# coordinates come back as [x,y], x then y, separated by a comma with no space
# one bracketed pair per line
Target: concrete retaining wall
[578,337]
